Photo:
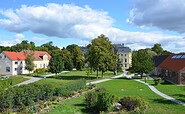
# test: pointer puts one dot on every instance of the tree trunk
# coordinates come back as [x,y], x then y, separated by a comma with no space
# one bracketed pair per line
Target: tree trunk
[115,72]
[97,74]
[141,75]
[102,74]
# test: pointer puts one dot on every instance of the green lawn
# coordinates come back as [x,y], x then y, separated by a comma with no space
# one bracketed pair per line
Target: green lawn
[121,88]
[75,75]
[13,80]
[176,91]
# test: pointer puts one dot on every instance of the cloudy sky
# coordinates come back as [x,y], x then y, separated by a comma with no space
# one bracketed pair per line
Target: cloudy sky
[136,23]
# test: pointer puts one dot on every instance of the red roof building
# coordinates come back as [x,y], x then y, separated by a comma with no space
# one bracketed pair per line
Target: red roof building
[173,68]
[13,63]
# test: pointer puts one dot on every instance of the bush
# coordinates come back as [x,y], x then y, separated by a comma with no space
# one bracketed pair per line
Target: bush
[157,81]
[135,104]
[99,100]
[41,70]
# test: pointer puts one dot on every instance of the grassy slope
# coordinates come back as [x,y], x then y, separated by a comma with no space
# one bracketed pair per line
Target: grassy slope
[122,88]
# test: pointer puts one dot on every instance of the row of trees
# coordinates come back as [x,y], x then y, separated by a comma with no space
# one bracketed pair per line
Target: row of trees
[101,56]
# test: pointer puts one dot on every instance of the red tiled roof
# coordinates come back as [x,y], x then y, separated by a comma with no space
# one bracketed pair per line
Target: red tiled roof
[38,54]
[21,55]
[173,64]
[15,55]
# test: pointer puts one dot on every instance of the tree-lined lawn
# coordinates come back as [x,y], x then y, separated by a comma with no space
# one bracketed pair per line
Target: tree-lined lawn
[121,88]
[75,75]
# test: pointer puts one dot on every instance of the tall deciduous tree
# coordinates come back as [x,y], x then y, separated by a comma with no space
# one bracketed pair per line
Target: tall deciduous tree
[142,62]
[100,55]
[29,61]
[67,59]
[77,56]
[56,63]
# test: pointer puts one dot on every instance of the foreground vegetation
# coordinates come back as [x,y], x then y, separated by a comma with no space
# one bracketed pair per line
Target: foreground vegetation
[30,98]
[121,88]
[13,80]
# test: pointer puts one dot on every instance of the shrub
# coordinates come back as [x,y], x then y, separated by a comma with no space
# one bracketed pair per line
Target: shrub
[157,81]
[99,100]
[41,70]
[135,104]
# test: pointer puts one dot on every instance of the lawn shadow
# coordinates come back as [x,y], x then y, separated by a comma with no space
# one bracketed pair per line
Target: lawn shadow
[164,101]
[74,77]
[182,97]
[85,110]
[125,78]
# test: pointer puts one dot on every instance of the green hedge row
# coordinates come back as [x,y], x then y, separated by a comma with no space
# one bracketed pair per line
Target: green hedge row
[18,98]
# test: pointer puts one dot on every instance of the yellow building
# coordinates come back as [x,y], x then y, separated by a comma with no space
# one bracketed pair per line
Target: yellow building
[124,55]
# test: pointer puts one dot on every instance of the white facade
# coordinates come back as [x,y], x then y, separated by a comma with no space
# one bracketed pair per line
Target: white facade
[9,67]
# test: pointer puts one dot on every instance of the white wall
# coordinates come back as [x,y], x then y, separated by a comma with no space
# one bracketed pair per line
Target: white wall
[5,62]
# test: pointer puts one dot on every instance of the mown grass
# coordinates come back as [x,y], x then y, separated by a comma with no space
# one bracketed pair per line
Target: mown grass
[176,91]
[75,75]
[121,88]
[13,80]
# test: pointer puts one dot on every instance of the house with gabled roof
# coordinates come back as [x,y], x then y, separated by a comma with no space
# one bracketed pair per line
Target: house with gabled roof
[13,63]
[173,68]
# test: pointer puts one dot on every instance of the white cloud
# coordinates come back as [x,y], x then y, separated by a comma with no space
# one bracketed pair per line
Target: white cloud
[165,14]
[39,39]
[84,23]
[18,38]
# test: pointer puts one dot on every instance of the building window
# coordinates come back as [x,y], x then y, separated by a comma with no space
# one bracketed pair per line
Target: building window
[21,62]
[5,56]
[125,54]
[7,69]
[121,54]
[40,65]
[35,65]
[125,65]
[15,69]
[125,60]
[16,62]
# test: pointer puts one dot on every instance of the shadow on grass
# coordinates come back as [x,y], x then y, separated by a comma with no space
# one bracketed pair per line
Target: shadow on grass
[86,110]
[164,101]
[74,77]
[182,97]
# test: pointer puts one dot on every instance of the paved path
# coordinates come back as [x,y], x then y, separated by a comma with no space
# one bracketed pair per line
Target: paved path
[35,79]
[162,94]
[104,80]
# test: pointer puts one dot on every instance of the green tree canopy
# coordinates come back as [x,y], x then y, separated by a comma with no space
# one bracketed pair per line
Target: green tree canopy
[29,61]
[77,56]
[142,62]
[56,64]
[157,48]
[67,59]
[100,55]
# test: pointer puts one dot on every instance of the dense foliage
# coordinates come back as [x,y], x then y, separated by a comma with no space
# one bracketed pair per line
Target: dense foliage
[135,104]
[142,62]
[56,64]
[99,100]
[18,98]
[29,61]
[100,55]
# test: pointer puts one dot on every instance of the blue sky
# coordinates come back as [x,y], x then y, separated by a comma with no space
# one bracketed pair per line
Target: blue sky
[137,23]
